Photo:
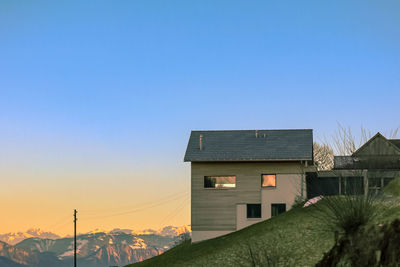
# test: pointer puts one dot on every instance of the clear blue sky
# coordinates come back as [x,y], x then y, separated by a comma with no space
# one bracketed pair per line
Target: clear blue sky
[92,87]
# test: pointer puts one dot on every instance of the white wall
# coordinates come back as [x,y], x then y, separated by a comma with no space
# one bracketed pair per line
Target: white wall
[288,186]
[204,235]
[218,212]
[241,217]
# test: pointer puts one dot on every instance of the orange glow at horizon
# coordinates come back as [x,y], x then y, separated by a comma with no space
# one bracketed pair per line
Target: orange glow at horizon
[128,199]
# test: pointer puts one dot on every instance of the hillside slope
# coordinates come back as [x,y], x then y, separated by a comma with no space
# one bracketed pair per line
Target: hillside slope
[288,236]
[294,238]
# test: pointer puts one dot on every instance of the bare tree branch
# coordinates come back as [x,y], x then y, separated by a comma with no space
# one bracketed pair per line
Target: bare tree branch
[323,156]
[344,143]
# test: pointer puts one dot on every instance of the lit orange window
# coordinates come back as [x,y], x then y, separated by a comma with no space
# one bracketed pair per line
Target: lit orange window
[268,180]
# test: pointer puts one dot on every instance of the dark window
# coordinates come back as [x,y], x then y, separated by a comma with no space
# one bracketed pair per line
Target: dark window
[316,186]
[375,185]
[352,185]
[374,182]
[277,209]
[220,182]
[253,210]
[268,180]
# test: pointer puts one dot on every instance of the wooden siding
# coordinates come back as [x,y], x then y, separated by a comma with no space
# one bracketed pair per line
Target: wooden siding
[377,146]
[215,209]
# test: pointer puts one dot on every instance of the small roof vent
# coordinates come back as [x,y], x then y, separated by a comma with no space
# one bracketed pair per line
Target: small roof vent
[260,135]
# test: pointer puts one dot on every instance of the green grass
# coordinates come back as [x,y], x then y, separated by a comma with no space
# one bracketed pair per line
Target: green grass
[393,188]
[293,233]
[295,238]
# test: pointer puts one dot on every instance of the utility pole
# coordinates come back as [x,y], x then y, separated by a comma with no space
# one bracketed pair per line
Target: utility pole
[75,212]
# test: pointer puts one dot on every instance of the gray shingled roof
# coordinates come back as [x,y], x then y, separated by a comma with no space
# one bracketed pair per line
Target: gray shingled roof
[342,161]
[243,145]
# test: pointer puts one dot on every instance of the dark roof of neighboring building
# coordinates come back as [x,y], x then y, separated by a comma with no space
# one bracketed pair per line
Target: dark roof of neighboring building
[395,142]
[250,145]
[342,161]
[354,162]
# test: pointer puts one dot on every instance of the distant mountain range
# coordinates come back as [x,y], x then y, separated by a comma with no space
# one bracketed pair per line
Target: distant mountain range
[15,238]
[118,247]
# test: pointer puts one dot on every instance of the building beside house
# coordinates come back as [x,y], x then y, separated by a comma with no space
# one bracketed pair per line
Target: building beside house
[368,170]
[242,177]
[239,178]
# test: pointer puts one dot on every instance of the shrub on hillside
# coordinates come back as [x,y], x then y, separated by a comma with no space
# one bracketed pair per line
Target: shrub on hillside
[184,237]
[371,246]
[299,202]
[346,213]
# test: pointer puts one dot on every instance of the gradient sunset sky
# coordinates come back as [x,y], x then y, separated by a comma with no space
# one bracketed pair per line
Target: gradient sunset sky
[98,98]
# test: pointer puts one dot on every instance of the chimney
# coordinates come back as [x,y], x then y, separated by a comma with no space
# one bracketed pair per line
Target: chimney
[201,142]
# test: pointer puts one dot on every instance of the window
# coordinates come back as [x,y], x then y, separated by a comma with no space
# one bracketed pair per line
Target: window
[277,209]
[375,185]
[253,210]
[268,180]
[352,185]
[220,182]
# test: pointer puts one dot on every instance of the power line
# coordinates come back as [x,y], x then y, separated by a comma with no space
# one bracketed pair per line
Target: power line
[61,226]
[137,209]
[175,212]
[143,207]
[55,225]
[140,205]
[162,201]
[171,214]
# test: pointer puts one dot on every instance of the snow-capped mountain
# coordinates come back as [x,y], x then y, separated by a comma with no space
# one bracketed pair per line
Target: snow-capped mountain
[13,254]
[174,231]
[166,231]
[97,248]
[15,238]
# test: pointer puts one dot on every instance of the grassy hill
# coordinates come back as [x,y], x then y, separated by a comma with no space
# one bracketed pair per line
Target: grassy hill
[295,238]
[393,188]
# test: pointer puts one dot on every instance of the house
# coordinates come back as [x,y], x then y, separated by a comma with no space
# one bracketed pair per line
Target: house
[368,170]
[242,177]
